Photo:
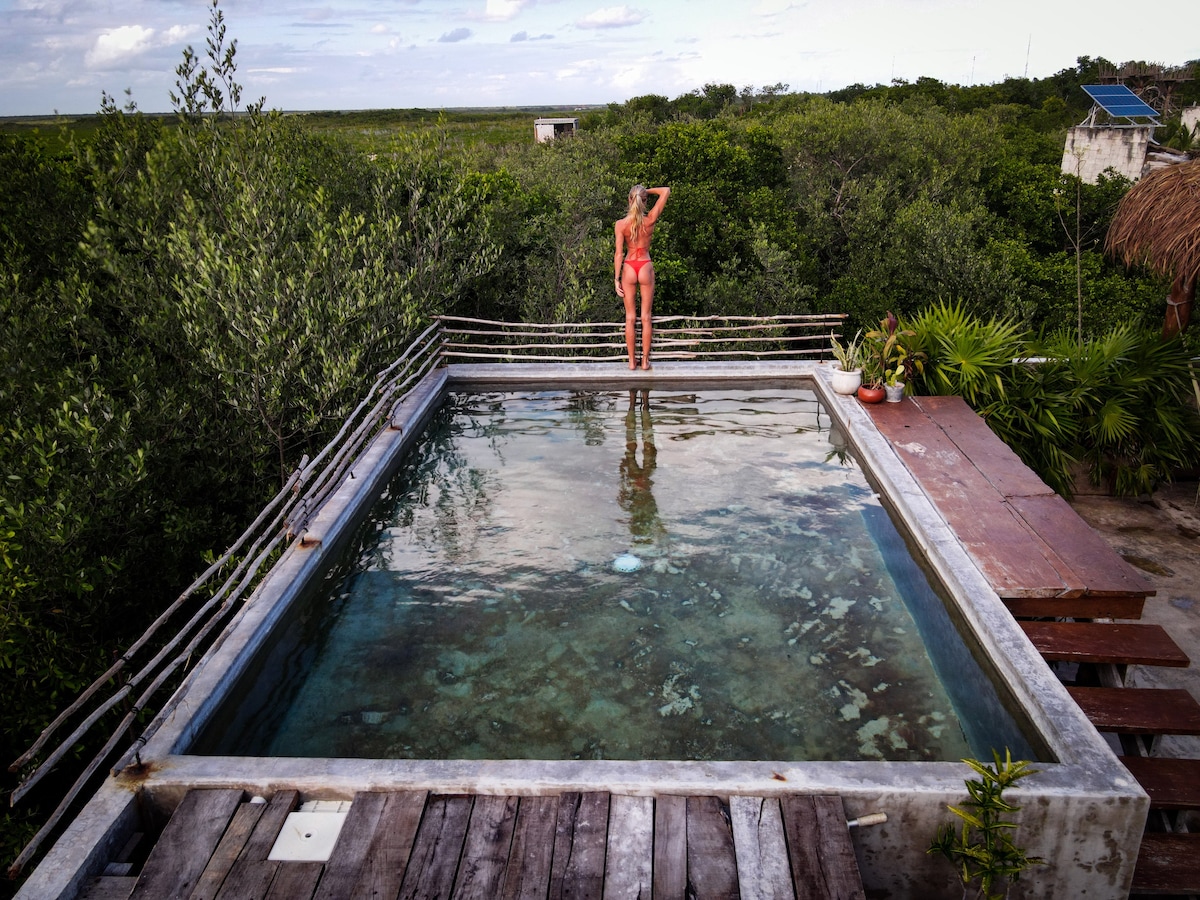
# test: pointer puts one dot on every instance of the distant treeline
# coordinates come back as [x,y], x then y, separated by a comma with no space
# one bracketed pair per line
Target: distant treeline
[192,303]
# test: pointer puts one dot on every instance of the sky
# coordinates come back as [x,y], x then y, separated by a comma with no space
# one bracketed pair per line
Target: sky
[59,55]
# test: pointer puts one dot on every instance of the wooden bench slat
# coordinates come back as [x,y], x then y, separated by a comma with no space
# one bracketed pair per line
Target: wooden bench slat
[761,849]
[382,872]
[227,852]
[822,855]
[1100,568]
[295,880]
[1036,552]
[1139,710]
[1168,864]
[579,844]
[183,849]
[485,854]
[1171,783]
[629,864]
[711,863]
[438,846]
[108,887]
[1006,471]
[1011,558]
[1102,642]
[1085,607]
[670,846]
[528,873]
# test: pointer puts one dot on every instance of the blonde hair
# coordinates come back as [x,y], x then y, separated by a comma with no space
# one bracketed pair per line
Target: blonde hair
[637,209]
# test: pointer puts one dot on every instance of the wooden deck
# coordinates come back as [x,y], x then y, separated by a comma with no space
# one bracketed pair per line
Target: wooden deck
[1038,554]
[218,844]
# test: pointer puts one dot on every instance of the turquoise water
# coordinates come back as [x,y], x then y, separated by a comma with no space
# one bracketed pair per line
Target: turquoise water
[615,575]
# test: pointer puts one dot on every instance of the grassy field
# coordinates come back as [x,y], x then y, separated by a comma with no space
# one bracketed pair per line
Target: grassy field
[370,129]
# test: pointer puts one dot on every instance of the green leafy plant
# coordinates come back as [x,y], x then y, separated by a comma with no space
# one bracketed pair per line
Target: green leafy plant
[849,355]
[894,360]
[982,848]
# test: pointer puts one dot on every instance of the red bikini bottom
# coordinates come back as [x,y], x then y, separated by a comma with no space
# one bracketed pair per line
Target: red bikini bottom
[636,264]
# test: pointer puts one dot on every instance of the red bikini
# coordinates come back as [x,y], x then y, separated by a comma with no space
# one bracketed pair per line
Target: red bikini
[636,264]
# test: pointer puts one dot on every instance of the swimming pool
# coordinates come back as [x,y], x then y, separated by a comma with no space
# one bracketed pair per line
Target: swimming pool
[623,574]
[1082,809]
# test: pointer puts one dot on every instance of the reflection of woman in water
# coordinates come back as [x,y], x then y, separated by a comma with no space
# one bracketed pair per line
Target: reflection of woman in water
[635,496]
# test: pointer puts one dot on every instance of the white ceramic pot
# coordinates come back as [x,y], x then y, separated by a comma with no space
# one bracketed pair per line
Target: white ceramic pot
[846,382]
[895,392]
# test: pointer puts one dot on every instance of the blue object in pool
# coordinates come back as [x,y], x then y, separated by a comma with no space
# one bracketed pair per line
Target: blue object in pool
[627,562]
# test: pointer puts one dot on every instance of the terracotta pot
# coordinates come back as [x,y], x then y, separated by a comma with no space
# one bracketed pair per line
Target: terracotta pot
[871,394]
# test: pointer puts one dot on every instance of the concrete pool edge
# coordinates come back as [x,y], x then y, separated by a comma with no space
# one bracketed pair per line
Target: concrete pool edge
[1089,811]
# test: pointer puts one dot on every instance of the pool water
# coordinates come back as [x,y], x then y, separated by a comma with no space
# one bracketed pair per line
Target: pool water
[656,575]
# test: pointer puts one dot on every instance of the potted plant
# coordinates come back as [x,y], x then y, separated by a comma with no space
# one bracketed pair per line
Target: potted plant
[893,379]
[847,375]
[892,358]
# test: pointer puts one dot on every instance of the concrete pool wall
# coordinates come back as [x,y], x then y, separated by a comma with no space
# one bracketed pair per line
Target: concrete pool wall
[1083,812]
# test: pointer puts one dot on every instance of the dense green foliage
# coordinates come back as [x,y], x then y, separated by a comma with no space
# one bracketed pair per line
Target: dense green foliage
[193,303]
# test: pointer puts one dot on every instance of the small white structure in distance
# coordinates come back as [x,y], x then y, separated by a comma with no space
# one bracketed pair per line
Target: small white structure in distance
[548,129]
[1190,118]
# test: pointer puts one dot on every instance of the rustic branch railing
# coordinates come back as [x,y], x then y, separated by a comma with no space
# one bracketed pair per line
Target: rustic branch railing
[230,579]
[674,337]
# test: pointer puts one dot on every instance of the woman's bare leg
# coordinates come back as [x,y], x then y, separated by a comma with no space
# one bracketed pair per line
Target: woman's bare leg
[647,286]
[629,282]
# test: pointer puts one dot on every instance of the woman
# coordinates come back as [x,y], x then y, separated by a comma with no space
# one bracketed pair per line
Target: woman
[632,268]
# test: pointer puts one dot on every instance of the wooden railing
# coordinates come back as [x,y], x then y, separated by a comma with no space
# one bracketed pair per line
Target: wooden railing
[674,337]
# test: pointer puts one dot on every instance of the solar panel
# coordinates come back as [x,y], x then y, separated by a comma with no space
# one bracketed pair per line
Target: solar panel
[1119,101]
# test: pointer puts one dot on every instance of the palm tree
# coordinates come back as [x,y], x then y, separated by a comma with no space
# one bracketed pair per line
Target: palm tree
[1157,224]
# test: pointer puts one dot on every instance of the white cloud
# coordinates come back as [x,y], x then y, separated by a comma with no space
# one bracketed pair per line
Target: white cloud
[503,10]
[118,45]
[380,29]
[612,17]
[453,37]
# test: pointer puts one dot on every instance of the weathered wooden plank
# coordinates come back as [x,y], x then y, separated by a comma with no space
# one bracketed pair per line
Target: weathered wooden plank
[999,463]
[1139,710]
[1171,783]
[527,876]
[436,851]
[711,863]
[1168,864]
[295,881]
[760,848]
[350,851]
[387,859]
[108,887]
[485,854]
[252,874]
[577,872]
[1129,607]
[175,864]
[227,852]
[823,863]
[1123,644]
[1009,556]
[629,864]
[670,846]
[249,880]
[1094,562]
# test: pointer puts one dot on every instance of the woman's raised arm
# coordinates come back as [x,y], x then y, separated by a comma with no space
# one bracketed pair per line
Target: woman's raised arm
[659,201]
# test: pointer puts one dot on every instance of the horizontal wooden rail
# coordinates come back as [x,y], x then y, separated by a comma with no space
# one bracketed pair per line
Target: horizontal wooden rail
[675,337]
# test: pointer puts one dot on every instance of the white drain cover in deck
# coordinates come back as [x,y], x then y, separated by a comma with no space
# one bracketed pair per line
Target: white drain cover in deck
[308,837]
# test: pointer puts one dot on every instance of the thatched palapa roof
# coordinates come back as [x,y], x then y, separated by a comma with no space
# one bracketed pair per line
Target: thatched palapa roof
[1157,224]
